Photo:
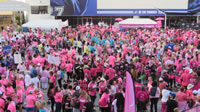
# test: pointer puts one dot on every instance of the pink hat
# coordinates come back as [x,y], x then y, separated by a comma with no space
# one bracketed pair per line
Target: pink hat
[187,70]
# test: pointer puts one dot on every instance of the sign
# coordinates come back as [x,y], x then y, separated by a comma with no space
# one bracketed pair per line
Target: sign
[17,58]
[53,60]
[6,49]
[115,7]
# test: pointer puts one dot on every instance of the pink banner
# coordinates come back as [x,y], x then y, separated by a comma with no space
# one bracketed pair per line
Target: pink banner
[129,95]
[137,25]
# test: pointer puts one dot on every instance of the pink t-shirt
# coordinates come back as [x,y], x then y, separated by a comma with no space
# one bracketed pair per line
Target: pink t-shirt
[185,79]
[112,60]
[19,95]
[103,101]
[102,86]
[12,107]
[2,105]
[93,87]
[82,102]
[93,71]
[111,73]
[30,101]
[68,67]
[28,89]
[58,97]
[10,91]
[181,96]
[142,95]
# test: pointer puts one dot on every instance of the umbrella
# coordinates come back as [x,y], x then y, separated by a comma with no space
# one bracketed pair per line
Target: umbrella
[118,19]
[159,19]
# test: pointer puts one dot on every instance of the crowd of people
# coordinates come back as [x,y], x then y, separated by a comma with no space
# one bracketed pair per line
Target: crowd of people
[93,61]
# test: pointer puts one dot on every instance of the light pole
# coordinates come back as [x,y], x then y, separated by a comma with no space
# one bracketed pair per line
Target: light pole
[165,20]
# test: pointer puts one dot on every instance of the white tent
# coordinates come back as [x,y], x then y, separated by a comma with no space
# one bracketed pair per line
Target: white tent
[137,22]
[46,24]
[13,5]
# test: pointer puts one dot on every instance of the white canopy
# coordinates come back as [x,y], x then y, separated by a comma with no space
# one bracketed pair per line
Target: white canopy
[137,22]
[12,5]
[46,24]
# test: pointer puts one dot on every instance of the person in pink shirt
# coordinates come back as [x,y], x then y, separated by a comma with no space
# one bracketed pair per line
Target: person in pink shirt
[11,105]
[110,72]
[38,94]
[69,69]
[99,68]
[112,60]
[92,89]
[104,101]
[52,78]
[2,102]
[30,88]
[10,92]
[30,102]
[82,99]
[102,86]
[58,99]
[185,78]
[44,78]
[93,71]
[142,98]
[19,98]
[154,97]
[181,98]
[3,80]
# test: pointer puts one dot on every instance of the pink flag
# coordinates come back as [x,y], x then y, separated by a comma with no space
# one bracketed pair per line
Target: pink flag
[129,95]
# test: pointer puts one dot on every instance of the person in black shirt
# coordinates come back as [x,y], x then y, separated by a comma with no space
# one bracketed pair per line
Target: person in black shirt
[68,106]
[171,103]
[88,106]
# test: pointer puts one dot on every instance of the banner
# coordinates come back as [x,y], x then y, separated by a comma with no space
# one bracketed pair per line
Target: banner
[17,58]
[129,95]
[194,5]
[53,60]
[115,7]
[6,49]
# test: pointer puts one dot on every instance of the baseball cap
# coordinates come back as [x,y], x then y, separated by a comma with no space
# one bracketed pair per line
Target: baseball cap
[78,88]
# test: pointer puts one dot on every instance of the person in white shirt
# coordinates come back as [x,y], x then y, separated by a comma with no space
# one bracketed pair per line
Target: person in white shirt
[47,48]
[27,79]
[165,95]
[128,58]
[36,82]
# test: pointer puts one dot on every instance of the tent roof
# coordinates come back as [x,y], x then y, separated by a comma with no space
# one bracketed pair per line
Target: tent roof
[137,21]
[12,5]
[45,24]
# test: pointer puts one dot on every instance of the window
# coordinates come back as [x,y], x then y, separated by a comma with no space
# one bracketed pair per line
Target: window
[39,9]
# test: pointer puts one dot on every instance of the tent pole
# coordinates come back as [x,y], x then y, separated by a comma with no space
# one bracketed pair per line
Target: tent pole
[165,20]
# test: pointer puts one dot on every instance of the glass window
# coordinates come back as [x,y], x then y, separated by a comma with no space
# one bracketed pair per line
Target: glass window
[39,9]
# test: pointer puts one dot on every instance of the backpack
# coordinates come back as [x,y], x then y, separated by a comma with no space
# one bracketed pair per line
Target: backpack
[153,91]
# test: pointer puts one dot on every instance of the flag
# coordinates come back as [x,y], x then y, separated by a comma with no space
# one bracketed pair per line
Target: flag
[129,95]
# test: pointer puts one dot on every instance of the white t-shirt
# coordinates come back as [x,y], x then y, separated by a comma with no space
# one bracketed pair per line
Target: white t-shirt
[165,95]
[113,90]
[36,81]
[114,103]
[27,80]
[128,59]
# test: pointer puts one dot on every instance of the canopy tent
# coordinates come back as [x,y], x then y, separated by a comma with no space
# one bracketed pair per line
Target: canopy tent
[46,24]
[13,5]
[137,23]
